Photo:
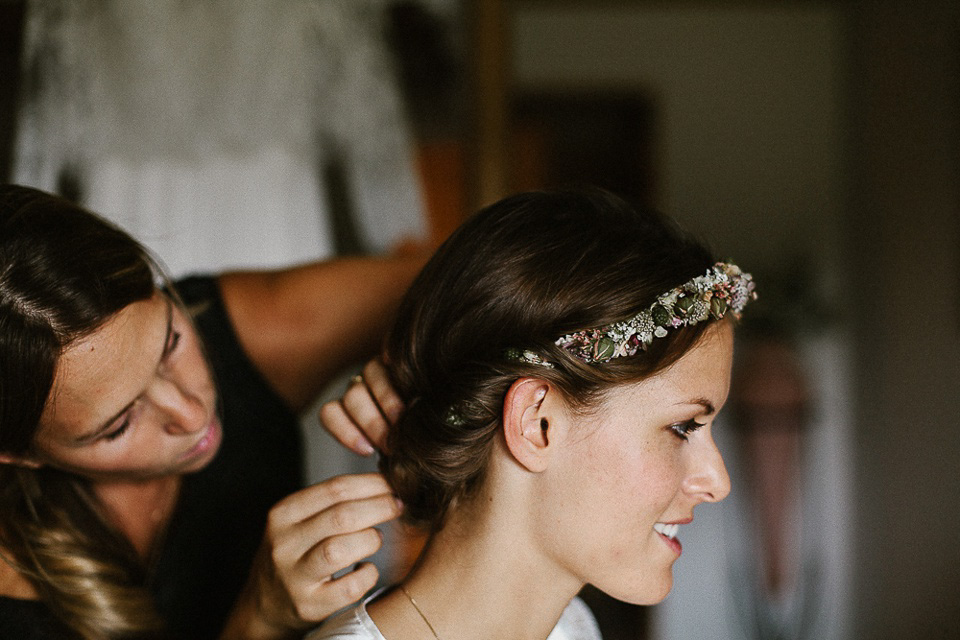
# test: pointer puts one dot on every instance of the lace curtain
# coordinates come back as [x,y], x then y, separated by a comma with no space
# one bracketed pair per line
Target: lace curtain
[213,130]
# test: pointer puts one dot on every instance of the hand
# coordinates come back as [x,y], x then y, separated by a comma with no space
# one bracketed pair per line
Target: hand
[311,535]
[361,418]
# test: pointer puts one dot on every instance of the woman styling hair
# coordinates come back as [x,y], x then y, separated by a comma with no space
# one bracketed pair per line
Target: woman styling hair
[561,358]
[146,430]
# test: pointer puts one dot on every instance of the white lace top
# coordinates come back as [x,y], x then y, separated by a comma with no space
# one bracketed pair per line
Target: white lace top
[576,623]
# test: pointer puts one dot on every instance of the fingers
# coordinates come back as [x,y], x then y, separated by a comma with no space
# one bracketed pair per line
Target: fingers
[362,409]
[335,492]
[313,592]
[354,584]
[340,535]
[336,420]
[377,379]
[329,526]
[336,553]
[316,533]
[333,595]
[361,418]
[348,517]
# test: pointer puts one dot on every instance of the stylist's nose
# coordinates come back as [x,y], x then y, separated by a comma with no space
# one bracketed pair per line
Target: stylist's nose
[181,411]
[708,479]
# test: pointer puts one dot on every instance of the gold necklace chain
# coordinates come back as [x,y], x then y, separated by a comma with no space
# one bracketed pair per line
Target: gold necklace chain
[415,606]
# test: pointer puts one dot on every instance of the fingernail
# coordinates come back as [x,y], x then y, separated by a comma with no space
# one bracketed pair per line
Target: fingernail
[363,447]
[399,503]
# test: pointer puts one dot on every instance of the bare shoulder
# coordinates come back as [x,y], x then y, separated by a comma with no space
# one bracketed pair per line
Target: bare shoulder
[12,582]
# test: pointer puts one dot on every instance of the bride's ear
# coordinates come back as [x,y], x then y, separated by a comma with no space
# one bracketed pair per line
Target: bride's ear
[526,425]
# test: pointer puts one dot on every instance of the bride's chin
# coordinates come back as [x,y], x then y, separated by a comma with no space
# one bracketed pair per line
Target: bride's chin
[649,592]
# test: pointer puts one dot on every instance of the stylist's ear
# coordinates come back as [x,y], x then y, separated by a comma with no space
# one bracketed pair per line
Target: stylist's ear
[526,426]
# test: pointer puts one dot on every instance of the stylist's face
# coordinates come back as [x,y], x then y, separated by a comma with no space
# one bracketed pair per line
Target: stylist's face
[132,401]
[634,471]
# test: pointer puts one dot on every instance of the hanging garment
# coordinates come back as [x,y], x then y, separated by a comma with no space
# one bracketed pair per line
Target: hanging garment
[221,133]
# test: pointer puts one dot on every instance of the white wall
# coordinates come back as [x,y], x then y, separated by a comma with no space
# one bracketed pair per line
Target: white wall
[749,144]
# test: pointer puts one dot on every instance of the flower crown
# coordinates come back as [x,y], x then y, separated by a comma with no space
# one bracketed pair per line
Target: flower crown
[723,288]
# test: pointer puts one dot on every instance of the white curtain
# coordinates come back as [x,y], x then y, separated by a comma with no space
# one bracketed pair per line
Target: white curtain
[207,127]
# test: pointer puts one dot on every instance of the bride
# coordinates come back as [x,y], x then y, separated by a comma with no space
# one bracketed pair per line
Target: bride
[561,360]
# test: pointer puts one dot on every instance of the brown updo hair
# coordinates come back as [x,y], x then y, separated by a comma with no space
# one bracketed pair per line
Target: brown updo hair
[518,275]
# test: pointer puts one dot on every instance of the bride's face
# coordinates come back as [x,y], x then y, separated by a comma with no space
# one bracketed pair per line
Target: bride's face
[633,470]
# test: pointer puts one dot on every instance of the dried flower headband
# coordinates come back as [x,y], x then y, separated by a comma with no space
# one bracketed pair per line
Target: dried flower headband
[723,288]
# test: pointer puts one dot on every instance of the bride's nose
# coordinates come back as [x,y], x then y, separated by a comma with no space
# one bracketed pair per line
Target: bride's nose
[708,479]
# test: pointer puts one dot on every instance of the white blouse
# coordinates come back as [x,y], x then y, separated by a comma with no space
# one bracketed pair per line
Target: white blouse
[576,623]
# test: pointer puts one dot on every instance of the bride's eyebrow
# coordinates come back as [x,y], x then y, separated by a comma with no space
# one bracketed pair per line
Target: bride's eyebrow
[92,435]
[708,407]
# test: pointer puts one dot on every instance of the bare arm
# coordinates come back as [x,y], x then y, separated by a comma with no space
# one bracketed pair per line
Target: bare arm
[302,326]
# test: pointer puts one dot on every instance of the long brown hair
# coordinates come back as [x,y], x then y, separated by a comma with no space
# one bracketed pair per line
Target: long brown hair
[63,273]
[518,275]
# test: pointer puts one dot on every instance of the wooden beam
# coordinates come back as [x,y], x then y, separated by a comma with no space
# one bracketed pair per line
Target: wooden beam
[490,53]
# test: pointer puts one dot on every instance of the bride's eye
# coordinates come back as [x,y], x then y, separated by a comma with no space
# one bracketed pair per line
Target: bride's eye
[684,429]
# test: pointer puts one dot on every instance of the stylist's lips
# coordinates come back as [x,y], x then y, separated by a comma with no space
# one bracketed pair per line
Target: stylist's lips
[207,443]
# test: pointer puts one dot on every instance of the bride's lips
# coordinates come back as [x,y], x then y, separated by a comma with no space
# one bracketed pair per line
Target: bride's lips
[668,533]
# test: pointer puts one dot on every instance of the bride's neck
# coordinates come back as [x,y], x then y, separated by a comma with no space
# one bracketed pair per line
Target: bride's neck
[480,577]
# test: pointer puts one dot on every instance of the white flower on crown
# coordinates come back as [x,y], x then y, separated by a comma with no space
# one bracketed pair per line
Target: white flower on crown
[697,313]
[668,299]
[621,350]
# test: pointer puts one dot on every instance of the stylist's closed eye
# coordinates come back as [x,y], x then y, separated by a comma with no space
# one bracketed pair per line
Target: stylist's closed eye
[119,431]
[169,348]
[172,344]
[684,429]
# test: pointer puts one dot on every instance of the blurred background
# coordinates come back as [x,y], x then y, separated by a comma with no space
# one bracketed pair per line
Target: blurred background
[817,143]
